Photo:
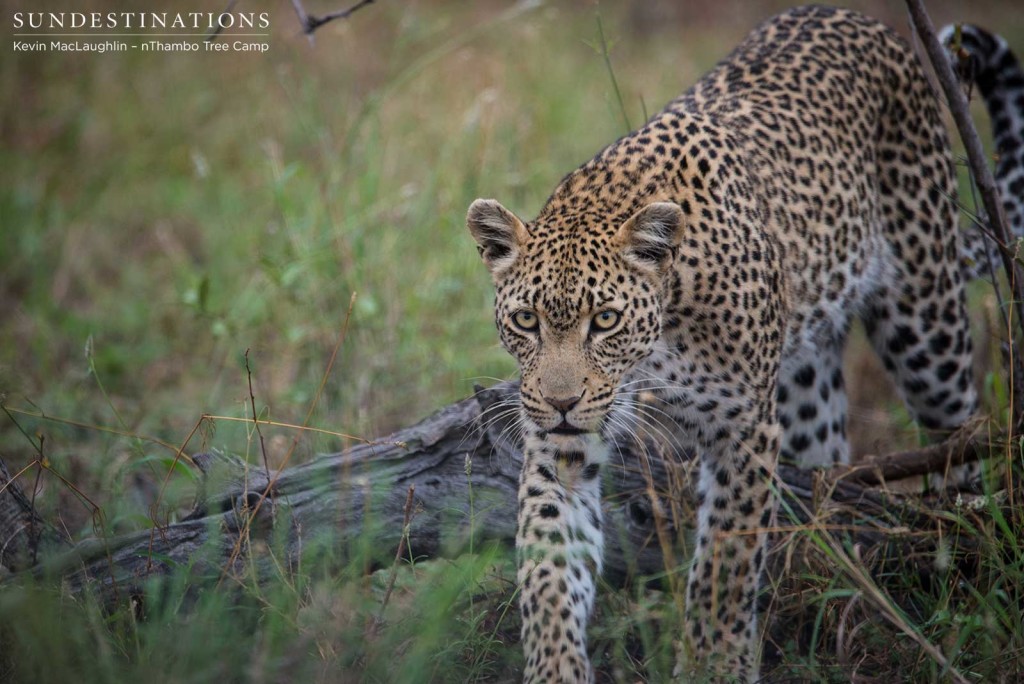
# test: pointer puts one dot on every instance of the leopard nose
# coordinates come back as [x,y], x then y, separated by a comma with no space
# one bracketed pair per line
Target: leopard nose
[563,405]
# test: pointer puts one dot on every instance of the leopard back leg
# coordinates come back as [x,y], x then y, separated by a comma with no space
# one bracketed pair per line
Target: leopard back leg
[812,406]
[917,321]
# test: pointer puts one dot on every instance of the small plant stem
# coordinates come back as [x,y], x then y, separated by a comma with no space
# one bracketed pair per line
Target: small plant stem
[32,514]
[660,527]
[88,426]
[330,362]
[255,420]
[393,575]
[45,464]
[287,457]
[472,512]
[292,426]
[606,54]
[163,488]
[99,383]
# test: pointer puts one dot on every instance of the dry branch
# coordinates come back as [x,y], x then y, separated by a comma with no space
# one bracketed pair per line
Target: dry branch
[962,447]
[311,23]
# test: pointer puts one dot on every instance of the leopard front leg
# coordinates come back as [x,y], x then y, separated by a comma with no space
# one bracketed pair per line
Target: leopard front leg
[735,507]
[559,544]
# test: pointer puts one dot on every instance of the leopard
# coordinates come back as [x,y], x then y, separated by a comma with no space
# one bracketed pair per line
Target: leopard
[715,259]
[986,64]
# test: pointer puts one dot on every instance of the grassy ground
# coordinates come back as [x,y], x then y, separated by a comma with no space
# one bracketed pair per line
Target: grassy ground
[169,219]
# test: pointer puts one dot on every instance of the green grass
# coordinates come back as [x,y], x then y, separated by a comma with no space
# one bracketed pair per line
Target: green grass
[163,215]
[316,628]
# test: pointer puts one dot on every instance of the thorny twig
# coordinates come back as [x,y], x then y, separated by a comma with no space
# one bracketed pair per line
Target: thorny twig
[311,22]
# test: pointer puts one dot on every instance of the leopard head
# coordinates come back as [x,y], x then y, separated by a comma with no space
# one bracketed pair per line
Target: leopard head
[578,303]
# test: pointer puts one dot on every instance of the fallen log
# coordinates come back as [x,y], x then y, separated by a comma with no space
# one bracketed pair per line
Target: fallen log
[463,467]
[453,458]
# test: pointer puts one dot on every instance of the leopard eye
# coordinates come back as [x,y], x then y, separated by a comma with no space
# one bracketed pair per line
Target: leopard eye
[525,320]
[606,320]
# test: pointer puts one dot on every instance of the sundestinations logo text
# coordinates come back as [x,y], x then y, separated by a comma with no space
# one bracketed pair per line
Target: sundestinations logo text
[140,20]
[99,32]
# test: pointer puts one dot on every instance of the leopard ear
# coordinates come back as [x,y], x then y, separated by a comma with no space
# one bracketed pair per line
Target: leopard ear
[649,238]
[498,232]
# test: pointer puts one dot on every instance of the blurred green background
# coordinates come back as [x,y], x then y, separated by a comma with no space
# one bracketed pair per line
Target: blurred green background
[164,213]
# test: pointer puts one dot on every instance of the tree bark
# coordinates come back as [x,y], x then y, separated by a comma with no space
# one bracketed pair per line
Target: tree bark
[465,471]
